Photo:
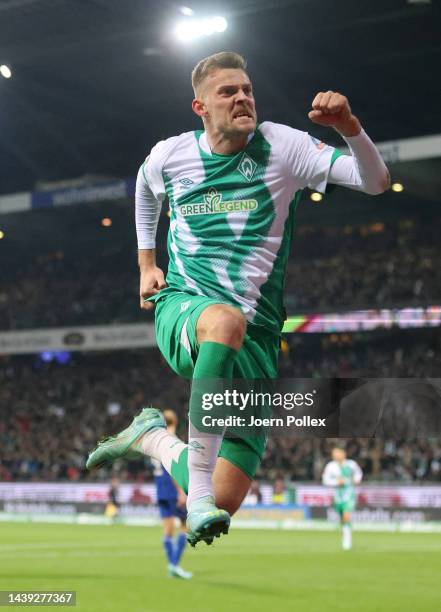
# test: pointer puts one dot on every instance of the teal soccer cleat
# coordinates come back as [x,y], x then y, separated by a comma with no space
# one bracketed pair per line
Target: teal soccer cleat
[206,522]
[114,447]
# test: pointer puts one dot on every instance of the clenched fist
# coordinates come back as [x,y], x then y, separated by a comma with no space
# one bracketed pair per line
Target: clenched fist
[332,109]
[151,283]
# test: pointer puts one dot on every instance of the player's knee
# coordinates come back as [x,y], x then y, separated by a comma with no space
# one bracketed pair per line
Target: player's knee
[232,324]
[224,324]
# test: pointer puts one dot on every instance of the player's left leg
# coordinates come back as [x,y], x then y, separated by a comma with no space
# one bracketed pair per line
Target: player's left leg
[346,530]
[147,435]
[174,569]
[179,546]
[168,526]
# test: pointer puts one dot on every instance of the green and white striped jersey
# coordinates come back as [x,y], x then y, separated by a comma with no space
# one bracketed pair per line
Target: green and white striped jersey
[349,472]
[232,216]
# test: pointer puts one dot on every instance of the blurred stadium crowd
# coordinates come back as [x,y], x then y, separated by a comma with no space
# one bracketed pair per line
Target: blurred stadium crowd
[52,414]
[368,266]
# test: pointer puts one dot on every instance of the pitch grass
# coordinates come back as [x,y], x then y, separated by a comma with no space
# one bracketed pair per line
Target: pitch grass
[119,568]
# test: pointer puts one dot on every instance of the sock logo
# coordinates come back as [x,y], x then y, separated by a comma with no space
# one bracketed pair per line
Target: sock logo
[197,446]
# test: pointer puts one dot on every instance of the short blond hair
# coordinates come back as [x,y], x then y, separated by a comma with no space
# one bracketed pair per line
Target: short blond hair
[225,59]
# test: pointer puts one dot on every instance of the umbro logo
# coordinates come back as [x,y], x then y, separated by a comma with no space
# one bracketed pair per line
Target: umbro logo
[196,446]
[186,182]
[185,305]
[247,167]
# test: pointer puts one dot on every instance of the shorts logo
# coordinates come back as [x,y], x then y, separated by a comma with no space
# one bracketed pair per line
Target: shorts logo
[247,167]
[185,305]
[213,204]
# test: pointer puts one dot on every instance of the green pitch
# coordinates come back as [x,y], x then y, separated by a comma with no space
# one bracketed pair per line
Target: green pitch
[118,568]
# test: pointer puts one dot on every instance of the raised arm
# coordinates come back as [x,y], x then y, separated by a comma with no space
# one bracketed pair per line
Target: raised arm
[363,170]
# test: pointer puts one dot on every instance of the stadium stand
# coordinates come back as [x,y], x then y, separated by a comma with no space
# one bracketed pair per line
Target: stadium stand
[364,266]
[57,411]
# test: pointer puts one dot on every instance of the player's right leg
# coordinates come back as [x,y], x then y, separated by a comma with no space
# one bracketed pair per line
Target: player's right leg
[346,530]
[200,339]
[220,331]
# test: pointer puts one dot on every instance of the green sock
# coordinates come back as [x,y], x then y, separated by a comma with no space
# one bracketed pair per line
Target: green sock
[214,366]
[215,361]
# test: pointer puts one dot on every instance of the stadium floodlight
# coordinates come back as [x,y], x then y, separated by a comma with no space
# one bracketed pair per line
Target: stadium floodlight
[187,11]
[316,196]
[397,187]
[220,24]
[190,29]
[5,71]
[106,222]
[2,235]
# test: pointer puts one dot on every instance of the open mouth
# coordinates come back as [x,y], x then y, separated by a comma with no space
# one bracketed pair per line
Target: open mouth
[242,115]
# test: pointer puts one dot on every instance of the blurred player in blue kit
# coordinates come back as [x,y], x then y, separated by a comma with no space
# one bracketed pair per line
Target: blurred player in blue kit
[172,504]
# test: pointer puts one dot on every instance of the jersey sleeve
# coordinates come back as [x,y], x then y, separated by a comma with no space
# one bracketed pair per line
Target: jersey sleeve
[309,160]
[153,166]
[150,193]
[357,473]
[147,211]
[330,477]
[364,170]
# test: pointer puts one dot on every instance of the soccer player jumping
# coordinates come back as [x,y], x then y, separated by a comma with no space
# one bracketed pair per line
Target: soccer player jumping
[232,189]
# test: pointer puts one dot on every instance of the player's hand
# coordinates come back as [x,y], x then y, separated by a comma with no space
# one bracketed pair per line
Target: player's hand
[332,109]
[151,282]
